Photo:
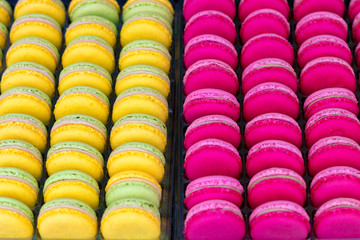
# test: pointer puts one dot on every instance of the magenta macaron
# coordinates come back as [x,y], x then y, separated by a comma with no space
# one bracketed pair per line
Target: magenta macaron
[212,157]
[213,126]
[268,70]
[213,187]
[305,7]
[246,7]
[210,73]
[356,29]
[357,55]
[354,9]
[191,7]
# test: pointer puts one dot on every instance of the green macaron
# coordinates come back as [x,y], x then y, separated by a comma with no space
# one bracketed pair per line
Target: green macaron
[146,44]
[17,207]
[30,90]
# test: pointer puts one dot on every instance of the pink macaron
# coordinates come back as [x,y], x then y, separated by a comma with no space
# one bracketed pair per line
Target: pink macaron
[210,22]
[338,218]
[213,126]
[335,182]
[210,73]
[266,45]
[333,151]
[332,122]
[272,126]
[356,29]
[354,9]
[264,21]
[212,157]
[210,46]
[279,220]
[327,72]
[191,7]
[357,55]
[270,97]
[268,70]
[213,187]
[210,101]
[274,153]
[215,220]
[246,7]
[323,46]
[331,98]
[320,23]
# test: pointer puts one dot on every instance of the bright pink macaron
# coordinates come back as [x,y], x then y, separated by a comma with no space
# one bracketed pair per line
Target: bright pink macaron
[279,220]
[323,46]
[335,182]
[215,220]
[320,23]
[327,72]
[210,101]
[357,55]
[356,29]
[331,98]
[338,218]
[191,7]
[304,7]
[268,70]
[246,7]
[354,9]
[213,187]
[274,153]
[266,45]
[272,126]
[331,152]
[210,46]
[213,126]
[264,21]
[210,22]
[210,73]
[212,157]
[270,97]
[332,122]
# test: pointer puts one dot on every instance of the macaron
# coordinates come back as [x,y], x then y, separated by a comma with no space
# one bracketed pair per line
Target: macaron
[207,74]
[81,128]
[213,126]
[75,219]
[264,21]
[20,185]
[23,127]
[133,184]
[272,126]
[28,74]
[209,101]
[320,23]
[268,70]
[323,46]
[331,152]
[338,218]
[276,184]
[143,76]
[213,187]
[210,46]
[274,153]
[139,128]
[16,219]
[137,156]
[3,35]
[270,97]
[205,157]
[85,74]
[52,8]
[357,55]
[279,220]
[332,122]
[267,45]
[72,184]
[76,156]
[354,9]
[327,72]
[91,49]
[33,49]
[5,12]
[214,219]
[210,22]
[190,8]
[146,52]
[37,25]
[83,100]
[140,100]
[26,100]
[246,7]
[145,224]
[331,98]
[92,25]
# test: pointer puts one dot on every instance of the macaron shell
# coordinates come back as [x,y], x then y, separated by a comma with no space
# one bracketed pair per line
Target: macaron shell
[190,7]
[5,13]
[357,55]
[305,7]
[246,7]
[3,35]
[354,9]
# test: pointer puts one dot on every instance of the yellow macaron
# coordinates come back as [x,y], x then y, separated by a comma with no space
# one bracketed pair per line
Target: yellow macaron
[5,12]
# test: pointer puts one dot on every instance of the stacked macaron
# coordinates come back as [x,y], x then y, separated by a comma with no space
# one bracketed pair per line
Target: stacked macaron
[5,18]
[353,13]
